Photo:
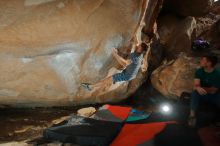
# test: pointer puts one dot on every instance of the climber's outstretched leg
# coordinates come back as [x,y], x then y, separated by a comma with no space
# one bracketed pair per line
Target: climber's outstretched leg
[108,81]
[102,83]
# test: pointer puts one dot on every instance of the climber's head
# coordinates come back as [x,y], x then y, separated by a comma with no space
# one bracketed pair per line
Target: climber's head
[141,48]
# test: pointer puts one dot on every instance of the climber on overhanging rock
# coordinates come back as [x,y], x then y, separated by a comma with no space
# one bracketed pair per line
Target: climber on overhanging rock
[131,67]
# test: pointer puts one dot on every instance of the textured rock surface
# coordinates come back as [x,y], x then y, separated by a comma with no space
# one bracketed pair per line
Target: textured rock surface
[213,35]
[47,48]
[15,144]
[216,8]
[205,22]
[176,34]
[188,7]
[174,77]
[203,25]
[86,112]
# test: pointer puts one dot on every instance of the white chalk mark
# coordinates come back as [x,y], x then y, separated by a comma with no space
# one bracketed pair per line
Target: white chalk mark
[36,2]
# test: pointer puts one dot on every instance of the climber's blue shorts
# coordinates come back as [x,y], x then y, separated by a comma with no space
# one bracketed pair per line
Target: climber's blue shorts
[119,77]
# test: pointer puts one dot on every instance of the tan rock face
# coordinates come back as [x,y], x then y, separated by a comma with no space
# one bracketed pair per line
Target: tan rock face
[86,112]
[174,77]
[188,7]
[15,144]
[47,48]
[176,34]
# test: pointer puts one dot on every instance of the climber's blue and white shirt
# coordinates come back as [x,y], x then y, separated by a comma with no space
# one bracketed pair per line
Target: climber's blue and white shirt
[131,70]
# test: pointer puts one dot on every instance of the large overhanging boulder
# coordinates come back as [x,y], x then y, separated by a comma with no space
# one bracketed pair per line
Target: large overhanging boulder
[49,47]
[175,77]
[188,7]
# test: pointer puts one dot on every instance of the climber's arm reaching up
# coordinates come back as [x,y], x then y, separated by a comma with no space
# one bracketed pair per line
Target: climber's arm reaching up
[120,60]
